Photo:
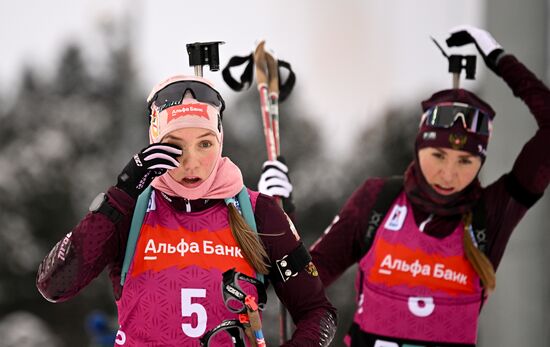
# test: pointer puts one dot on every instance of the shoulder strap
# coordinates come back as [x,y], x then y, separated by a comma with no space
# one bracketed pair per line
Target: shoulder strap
[392,187]
[245,207]
[135,227]
[479,226]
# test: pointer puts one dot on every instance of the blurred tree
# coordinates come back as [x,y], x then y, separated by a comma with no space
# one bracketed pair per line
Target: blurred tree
[61,143]
[386,148]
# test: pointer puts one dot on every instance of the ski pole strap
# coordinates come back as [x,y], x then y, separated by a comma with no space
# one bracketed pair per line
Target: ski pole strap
[286,87]
[135,227]
[231,326]
[291,264]
[246,77]
[232,291]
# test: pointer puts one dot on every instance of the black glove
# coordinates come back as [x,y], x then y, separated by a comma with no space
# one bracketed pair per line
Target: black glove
[144,166]
[274,181]
[487,46]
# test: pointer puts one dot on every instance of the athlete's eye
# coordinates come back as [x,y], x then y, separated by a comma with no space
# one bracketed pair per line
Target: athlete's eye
[205,144]
[438,155]
[465,161]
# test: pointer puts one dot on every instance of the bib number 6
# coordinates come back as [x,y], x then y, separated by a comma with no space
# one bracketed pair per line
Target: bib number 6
[188,308]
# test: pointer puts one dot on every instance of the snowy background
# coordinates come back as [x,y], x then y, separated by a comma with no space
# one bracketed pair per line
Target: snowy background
[74,76]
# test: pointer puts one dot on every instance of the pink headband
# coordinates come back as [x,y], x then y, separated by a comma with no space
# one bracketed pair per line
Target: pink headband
[191,113]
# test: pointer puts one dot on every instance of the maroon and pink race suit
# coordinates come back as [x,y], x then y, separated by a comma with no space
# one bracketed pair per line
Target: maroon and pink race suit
[415,288]
[172,294]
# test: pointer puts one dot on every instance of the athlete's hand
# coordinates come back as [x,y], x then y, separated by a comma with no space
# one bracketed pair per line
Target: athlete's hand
[487,46]
[275,181]
[152,161]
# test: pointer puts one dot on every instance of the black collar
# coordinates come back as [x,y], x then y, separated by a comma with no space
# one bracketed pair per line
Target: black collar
[182,204]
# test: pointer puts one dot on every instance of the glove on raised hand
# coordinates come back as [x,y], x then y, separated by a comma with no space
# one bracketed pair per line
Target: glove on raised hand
[487,46]
[274,181]
[152,161]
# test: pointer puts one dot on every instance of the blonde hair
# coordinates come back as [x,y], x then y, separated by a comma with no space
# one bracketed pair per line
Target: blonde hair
[479,261]
[249,242]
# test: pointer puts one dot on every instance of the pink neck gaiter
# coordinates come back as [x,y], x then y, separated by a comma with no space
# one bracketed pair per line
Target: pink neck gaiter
[225,181]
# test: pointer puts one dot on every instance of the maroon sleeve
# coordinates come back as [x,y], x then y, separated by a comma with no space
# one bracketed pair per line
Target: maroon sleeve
[508,199]
[341,245]
[532,166]
[95,243]
[303,295]
[503,214]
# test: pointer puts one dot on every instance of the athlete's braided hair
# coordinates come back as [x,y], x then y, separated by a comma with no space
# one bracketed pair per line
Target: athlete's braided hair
[248,240]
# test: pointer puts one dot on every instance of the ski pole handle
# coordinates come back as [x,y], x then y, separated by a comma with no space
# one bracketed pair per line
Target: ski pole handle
[262,80]
[243,318]
[273,89]
[255,321]
[260,64]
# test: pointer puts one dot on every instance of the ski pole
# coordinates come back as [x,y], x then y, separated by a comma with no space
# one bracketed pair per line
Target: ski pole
[248,309]
[273,89]
[255,321]
[262,82]
[245,320]
[267,78]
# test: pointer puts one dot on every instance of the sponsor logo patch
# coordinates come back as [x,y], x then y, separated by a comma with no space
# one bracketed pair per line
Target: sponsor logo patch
[396,218]
[159,248]
[396,265]
[198,110]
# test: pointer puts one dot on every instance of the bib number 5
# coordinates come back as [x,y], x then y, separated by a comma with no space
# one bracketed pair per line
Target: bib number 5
[188,308]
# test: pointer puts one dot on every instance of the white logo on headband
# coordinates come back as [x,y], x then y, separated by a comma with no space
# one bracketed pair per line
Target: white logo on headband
[199,110]
[482,150]
[429,135]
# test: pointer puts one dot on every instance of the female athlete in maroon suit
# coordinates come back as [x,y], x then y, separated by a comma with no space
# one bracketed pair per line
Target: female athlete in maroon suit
[191,233]
[427,261]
